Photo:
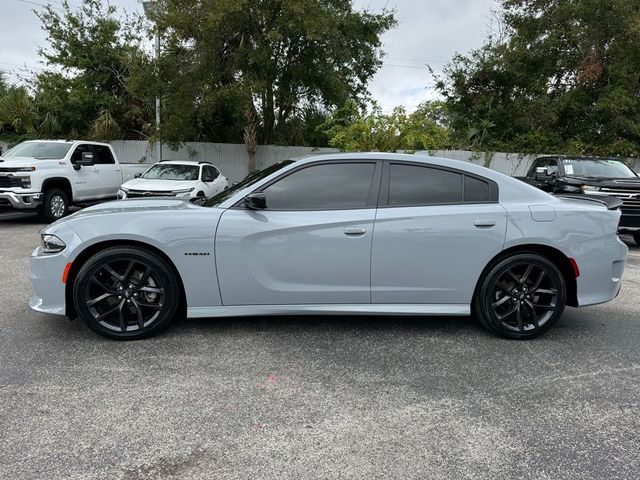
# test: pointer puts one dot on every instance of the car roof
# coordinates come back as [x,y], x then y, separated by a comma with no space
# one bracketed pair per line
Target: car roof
[70,142]
[578,158]
[184,162]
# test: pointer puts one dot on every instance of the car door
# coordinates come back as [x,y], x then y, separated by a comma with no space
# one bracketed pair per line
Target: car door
[310,245]
[85,178]
[109,174]
[435,231]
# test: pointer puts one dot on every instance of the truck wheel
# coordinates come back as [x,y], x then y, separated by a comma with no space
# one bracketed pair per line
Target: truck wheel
[636,237]
[55,205]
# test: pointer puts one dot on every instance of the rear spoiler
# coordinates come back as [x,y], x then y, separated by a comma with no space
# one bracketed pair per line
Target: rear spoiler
[612,203]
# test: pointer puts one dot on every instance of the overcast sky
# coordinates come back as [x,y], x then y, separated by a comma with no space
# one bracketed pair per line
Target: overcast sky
[428,32]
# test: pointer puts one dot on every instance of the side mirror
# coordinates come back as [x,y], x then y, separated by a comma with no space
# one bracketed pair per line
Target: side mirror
[543,174]
[86,161]
[137,175]
[256,201]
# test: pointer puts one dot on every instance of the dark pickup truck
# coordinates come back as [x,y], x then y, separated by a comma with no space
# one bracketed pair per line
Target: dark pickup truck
[597,177]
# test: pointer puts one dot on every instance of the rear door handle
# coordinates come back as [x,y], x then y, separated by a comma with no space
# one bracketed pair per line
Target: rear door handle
[484,223]
[355,231]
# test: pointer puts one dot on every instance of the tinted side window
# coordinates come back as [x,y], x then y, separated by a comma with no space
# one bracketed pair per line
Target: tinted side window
[209,174]
[329,186]
[103,154]
[476,190]
[414,185]
[77,153]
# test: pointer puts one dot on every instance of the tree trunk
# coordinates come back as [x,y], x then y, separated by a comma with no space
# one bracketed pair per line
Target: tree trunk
[250,135]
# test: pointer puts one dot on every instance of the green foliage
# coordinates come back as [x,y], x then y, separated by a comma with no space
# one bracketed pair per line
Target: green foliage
[564,78]
[352,130]
[85,90]
[287,59]
[17,112]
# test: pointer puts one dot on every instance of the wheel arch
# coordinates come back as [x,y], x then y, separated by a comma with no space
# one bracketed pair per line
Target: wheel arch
[91,250]
[59,182]
[553,254]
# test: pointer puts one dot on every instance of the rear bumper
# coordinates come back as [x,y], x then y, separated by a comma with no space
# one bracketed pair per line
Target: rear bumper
[601,262]
[20,201]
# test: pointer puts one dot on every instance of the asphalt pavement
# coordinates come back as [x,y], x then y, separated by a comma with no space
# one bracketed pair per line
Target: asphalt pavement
[315,397]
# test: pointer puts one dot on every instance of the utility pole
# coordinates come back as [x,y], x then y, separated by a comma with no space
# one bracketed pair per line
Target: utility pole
[149,11]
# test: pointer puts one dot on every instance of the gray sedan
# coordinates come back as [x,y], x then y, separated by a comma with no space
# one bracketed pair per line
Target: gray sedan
[349,234]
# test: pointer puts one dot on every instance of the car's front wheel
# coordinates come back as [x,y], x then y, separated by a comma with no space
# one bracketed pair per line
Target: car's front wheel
[521,297]
[126,293]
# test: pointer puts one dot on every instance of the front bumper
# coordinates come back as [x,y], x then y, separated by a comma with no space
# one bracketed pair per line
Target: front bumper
[47,270]
[20,201]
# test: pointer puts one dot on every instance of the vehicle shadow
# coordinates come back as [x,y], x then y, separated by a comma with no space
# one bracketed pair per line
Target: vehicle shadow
[331,323]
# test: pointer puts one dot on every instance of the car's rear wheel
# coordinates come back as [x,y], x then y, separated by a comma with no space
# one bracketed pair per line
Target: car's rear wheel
[126,293]
[521,296]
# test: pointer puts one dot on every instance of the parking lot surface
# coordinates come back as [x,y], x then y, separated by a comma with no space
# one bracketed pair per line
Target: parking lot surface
[315,397]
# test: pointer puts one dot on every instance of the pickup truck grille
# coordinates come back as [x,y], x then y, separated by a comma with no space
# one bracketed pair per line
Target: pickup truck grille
[630,198]
[10,182]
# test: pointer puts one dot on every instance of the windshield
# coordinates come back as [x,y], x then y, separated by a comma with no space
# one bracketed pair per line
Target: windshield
[169,171]
[597,168]
[249,180]
[39,150]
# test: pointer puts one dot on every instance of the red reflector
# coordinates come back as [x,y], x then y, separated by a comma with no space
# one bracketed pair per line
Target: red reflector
[65,274]
[574,265]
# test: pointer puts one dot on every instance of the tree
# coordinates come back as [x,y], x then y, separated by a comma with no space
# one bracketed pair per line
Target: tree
[564,78]
[352,130]
[228,58]
[85,89]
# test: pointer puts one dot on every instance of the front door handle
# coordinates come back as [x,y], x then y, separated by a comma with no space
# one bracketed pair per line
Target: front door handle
[355,231]
[485,223]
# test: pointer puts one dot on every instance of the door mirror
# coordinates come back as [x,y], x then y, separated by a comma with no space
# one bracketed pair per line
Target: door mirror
[256,201]
[137,175]
[87,160]
[544,174]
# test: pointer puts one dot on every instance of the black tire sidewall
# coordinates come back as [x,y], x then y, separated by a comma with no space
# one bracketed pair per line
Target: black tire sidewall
[636,237]
[46,204]
[483,308]
[160,268]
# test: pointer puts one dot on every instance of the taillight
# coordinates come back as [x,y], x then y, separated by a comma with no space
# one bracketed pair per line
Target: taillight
[574,265]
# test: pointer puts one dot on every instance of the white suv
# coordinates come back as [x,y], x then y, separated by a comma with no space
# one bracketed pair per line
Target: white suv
[176,179]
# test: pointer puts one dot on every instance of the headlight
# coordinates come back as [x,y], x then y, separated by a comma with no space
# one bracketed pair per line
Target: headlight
[588,188]
[183,193]
[52,244]
[26,182]
[122,193]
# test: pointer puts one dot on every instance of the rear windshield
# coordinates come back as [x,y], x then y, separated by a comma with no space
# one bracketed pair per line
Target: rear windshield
[168,171]
[597,168]
[39,150]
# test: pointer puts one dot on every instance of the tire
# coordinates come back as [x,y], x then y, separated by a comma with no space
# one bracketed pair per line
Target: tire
[636,237]
[55,205]
[520,297]
[126,293]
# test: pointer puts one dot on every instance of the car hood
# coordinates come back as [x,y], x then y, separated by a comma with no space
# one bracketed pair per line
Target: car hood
[21,162]
[610,182]
[159,185]
[146,206]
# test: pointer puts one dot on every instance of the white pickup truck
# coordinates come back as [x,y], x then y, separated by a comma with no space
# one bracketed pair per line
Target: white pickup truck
[48,176]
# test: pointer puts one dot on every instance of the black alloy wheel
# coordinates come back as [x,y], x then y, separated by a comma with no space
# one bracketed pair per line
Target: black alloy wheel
[521,297]
[126,293]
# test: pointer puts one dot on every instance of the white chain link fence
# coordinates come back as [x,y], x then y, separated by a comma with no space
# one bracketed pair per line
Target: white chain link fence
[232,158]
